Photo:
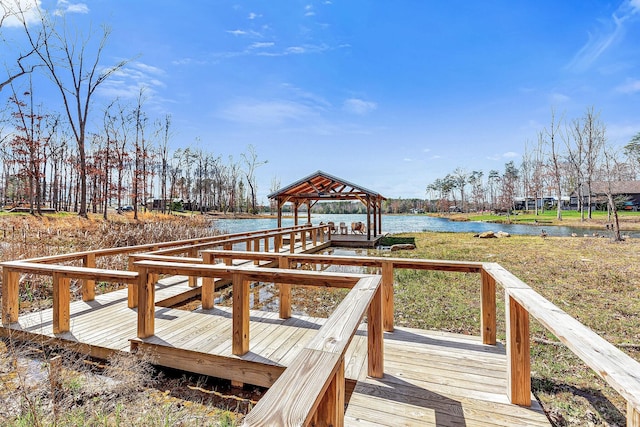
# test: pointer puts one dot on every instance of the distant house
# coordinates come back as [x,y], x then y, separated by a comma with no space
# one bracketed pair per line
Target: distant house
[548,202]
[629,190]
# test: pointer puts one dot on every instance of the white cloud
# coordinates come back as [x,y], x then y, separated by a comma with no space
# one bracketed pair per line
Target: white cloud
[20,10]
[309,10]
[359,106]
[261,45]
[64,6]
[510,155]
[407,159]
[612,32]
[127,81]
[630,86]
[558,98]
[253,16]
[296,49]
[240,32]
[426,150]
[266,113]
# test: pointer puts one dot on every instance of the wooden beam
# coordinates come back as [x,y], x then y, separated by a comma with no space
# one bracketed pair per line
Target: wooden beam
[10,295]
[132,288]
[240,343]
[633,416]
[488,309]
[518,353]
[146,304]
[330,411]
[375,336]
[89,285]
[208,284]
[61,303]
[284,291]
[387,296]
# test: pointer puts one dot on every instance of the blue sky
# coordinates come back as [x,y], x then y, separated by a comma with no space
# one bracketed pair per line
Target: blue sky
[387,94]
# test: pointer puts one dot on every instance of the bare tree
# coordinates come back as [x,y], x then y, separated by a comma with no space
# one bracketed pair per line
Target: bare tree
[252,163]
[576,158]
[461,179]
[611,170]
[555,160]
[77,73]
[594,138]
[12,9]
[632,151]
[164,158]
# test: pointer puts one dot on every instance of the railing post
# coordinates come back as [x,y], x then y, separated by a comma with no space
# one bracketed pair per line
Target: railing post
[256,248]
[285,291]
[330,411]
[277,243]
[208,284]
[518,353]
[488,308]
[10,296]
[61,301]
[146,304]
[292,242]
[375,336]
[387,295]
[265,242]
[193,280]
[227,247]
[633,416]
[132,288]
[89,286]
[303,239]
[240,343]
[314,236]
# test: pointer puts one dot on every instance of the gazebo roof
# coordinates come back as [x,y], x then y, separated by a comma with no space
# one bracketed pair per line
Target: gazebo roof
[323,186]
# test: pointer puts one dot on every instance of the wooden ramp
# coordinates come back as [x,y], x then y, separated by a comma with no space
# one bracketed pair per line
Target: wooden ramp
[431,378]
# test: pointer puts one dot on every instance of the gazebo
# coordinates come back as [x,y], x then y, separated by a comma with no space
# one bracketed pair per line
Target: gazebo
[321,186]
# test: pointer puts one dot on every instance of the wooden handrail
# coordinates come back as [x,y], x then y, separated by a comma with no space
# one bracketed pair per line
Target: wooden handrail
[239,238]
[61,275]
[312,388]
[615,367]
[137,248]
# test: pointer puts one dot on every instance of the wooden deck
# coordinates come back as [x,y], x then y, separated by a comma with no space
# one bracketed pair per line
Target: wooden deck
[355,240]
[431,378]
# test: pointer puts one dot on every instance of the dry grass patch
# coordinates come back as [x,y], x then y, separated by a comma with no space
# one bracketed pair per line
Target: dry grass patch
[593,279]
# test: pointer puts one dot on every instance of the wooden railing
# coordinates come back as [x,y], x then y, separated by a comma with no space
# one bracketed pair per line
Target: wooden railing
[61,274]
[316,376]
[619,370]
[190,247]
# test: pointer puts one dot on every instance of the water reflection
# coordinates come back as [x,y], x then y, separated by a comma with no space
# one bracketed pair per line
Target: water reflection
[417,223]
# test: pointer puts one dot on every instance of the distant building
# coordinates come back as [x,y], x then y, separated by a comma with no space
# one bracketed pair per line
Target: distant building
[627,190]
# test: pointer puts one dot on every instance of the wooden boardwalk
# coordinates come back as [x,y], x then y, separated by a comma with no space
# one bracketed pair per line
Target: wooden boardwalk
[431,378]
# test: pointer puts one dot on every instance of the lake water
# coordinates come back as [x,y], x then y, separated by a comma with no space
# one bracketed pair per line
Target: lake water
[411,223]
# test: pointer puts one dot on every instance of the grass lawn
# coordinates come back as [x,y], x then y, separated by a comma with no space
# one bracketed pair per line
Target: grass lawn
[629,220]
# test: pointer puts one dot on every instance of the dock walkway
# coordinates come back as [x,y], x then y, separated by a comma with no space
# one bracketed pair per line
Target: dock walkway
[431,378]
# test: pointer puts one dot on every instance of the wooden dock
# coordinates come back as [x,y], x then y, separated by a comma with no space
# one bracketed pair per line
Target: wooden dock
[352,240]
[333,371]
[431,378]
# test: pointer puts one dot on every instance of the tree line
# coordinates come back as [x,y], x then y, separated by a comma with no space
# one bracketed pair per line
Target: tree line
[568,157]
[52,159]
